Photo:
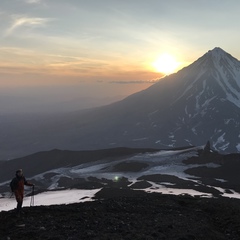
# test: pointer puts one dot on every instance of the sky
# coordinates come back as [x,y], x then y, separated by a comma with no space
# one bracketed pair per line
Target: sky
[60,50]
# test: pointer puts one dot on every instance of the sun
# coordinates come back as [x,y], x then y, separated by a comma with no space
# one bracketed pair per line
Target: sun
[165,63]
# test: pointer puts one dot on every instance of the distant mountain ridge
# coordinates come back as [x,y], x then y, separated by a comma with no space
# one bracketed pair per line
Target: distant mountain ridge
[198,103]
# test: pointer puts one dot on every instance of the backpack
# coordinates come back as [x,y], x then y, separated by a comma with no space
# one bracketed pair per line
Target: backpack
[13,184]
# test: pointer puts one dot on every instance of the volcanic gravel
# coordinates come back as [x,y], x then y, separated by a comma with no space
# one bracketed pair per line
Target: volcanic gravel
[127,214]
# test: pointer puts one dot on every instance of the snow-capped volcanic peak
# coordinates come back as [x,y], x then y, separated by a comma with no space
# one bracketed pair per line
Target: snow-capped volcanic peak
[220,59]
[223,69]
[217,54]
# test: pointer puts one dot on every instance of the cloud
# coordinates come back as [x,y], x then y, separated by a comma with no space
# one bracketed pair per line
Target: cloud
[27,22]
[135,82]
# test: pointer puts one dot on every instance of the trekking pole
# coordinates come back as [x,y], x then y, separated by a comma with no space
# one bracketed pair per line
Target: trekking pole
[32,197]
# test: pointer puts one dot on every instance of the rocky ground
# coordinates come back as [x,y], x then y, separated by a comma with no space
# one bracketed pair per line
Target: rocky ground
[127,214]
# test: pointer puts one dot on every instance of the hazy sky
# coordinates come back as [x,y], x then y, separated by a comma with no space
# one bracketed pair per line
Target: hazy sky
[107,47]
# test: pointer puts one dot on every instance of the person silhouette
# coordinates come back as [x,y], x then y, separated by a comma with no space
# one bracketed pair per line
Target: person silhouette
[17,187]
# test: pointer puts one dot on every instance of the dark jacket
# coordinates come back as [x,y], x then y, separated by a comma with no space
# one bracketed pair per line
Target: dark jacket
[17,184]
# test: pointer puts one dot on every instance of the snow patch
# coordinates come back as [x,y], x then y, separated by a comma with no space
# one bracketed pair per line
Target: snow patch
[51,198]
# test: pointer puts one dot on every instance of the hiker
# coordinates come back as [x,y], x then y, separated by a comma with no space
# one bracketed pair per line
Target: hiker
[17,187]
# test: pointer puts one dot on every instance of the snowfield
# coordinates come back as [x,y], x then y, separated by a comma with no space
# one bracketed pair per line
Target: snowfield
[75,196]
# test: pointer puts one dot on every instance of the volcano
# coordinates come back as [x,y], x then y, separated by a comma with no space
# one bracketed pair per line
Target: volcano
[199,103]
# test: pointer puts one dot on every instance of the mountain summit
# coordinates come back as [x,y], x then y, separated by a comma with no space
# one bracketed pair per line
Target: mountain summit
[201,102]
[225,70]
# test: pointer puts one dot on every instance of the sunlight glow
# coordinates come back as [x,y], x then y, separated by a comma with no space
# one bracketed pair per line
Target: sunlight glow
[165,63]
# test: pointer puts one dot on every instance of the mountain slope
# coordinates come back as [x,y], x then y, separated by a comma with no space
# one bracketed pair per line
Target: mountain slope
[123,214]
[195,170]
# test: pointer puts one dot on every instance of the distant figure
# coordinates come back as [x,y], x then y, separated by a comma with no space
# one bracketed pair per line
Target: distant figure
[17,187]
